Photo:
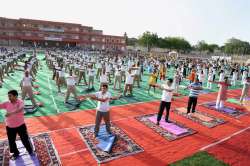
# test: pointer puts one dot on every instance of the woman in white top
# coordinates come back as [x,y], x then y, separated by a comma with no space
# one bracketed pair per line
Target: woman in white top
[118,78]
[210,79]
[201,77]
[234,78]
[244,76]
[129,83]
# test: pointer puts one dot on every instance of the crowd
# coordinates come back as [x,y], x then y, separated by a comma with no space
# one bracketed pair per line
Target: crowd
[123,73]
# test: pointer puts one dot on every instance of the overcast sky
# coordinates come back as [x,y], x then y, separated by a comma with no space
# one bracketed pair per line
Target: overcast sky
[214,21]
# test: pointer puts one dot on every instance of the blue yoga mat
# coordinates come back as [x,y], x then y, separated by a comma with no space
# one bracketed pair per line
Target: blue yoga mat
[106,141]
[24,159]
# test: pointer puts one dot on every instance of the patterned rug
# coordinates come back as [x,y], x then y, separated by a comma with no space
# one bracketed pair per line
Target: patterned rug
[230,111]
[170,131]
[122,147]
[46,154]
[201,118]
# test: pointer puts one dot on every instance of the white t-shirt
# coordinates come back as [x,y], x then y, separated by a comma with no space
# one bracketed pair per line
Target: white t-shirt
[210,77]
[118,72]
[61,73]
[104,78]
[27,81]
[91,72]
[166,96]
[71,81]
[201,77]
[108,69]
[129,78]
[137,71]
[221,77]
[103,106]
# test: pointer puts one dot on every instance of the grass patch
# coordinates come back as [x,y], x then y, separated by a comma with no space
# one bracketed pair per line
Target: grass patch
[199,159]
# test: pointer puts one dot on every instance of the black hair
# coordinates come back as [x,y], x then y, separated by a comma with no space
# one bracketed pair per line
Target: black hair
[170,80]
[13,92]
[105,85]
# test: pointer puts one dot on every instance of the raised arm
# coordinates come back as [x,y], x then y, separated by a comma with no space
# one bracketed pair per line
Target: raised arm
[93,97]
[116,97]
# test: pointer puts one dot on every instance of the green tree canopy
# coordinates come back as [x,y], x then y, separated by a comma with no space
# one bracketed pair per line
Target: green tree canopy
[148,40]
[203,46]
[236,46]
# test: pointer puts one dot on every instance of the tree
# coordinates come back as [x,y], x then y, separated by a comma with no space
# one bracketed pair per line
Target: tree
[203,46]
[148,40]
[177,43]
[236,46]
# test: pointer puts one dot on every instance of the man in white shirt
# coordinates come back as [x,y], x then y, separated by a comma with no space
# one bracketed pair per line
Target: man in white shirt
[103,97]
[26,87]
[166,99]
[71,82]
[129,83]
[82,74]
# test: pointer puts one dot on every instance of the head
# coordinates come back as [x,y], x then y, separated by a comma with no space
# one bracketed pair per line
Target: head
[104,88]
[170,82]
[12,94]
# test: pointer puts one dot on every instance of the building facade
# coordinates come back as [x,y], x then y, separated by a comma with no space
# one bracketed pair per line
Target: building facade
[27,32]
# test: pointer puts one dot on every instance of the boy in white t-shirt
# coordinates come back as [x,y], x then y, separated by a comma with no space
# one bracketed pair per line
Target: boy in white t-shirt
[129,83]
[103,97]
[167,94]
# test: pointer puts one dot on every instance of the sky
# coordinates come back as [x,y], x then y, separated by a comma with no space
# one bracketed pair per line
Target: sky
[214,21]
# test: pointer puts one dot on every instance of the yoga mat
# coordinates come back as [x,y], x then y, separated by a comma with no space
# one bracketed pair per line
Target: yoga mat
[225,109]
[202,117]
[24,158]
[106,141]
[169,126]
[234,112]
